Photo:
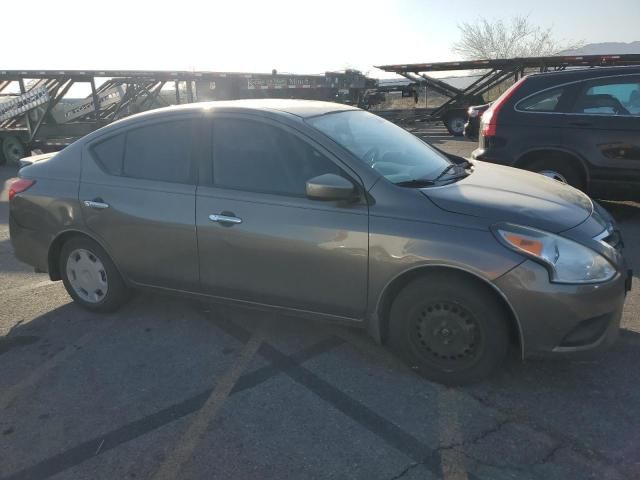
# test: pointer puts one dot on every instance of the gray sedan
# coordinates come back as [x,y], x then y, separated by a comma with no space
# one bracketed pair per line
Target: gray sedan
[328,212]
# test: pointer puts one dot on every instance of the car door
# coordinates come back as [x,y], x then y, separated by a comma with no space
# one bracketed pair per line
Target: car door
[283,248]
[605,125]
[138,198]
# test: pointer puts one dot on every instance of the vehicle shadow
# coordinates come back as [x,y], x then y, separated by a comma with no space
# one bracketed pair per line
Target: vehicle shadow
[158,359]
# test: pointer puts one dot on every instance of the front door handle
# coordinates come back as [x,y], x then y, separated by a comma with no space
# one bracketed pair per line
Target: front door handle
[580,123]
[98,204]
[225,218]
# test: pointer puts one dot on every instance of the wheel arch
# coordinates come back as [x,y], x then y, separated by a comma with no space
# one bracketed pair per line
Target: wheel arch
[533,154]
[395,286]
[53,255]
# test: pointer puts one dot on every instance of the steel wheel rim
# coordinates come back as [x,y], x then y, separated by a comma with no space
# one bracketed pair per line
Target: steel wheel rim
[87,275]
[553,174]
[456,125]
[446,335]
[13,150]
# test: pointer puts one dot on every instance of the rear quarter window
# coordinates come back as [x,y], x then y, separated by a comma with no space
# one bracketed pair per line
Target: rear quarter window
[109,153]
[545,101]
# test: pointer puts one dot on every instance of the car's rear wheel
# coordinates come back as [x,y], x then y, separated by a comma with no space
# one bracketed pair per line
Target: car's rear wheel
[90,277]
[558,169]
[451,330]
[455,124]
[12,150]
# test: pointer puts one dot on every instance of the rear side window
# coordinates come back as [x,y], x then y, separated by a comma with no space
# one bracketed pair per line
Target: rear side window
[109,154]
[546,101]
[160,152]
[610,97]
[257,157]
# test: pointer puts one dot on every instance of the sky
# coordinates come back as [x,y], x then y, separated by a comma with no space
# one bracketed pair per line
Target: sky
[290,36]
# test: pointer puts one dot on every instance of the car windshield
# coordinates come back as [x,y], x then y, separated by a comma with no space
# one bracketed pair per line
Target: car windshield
[398,155]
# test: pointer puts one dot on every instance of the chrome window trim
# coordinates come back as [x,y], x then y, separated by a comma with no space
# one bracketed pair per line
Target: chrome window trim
[515,107]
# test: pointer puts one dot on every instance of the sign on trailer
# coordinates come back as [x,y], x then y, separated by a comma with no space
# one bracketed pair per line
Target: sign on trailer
[23,103]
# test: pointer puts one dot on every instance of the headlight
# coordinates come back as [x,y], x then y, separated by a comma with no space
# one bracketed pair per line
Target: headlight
[566,260]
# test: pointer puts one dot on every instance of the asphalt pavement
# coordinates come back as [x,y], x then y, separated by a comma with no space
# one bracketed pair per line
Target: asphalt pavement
[174,388]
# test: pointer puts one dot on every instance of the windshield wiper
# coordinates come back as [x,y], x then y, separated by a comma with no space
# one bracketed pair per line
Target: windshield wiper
[464,165]
[428,182]
[416,183]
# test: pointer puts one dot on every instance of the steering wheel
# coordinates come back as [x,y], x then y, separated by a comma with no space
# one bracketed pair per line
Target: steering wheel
[371,156]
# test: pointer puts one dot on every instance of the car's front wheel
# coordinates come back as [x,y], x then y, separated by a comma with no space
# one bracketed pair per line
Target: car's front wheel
[451,330]
[90,277]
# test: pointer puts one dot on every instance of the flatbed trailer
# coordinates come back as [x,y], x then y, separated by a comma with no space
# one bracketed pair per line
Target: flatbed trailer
[36,113]
[493,72]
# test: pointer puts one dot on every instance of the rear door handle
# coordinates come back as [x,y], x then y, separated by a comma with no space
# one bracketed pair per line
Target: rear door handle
[98,204]
[580,124]
[225,218]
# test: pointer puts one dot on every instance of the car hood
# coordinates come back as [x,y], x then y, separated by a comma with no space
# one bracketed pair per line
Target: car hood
[505,194]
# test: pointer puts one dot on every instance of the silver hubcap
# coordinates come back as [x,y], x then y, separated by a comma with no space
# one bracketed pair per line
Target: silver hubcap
[457,125]
[87,275]
[553,174]
[13,150]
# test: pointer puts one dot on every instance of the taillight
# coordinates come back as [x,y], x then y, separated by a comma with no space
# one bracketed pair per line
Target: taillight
[18,186]
[490,116]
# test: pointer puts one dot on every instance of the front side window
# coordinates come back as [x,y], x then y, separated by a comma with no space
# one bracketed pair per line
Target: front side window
[390,150]
[612,97]
[546,101]
[258,157]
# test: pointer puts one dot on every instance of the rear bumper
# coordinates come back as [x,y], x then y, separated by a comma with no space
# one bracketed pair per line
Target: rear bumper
[30,246]
[563,320]
[472,128]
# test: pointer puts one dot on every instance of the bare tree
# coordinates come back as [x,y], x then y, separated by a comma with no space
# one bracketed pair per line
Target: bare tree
[499,39]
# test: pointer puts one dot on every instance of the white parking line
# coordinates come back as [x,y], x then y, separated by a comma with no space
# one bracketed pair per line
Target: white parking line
[184,447]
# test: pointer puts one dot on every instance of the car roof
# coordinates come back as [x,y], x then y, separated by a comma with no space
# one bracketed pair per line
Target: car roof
[299,108]
[592,72]
[285,107]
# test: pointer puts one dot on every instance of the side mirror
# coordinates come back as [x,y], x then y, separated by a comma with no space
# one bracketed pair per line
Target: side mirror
[330,187]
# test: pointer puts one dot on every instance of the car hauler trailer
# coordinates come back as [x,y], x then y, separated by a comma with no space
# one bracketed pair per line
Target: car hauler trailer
[36,113]
[493,72]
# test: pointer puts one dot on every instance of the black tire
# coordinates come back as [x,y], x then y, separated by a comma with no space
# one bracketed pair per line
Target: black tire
[426,309]
[564,166]
[116,292]
[12,150]
[455,124]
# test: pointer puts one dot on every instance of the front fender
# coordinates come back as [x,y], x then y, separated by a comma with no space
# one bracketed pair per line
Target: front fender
[400,248]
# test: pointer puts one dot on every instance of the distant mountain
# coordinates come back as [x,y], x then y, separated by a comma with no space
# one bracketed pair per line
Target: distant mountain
[604,48]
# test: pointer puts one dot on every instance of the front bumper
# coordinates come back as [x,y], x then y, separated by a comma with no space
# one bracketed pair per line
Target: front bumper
[559,319]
